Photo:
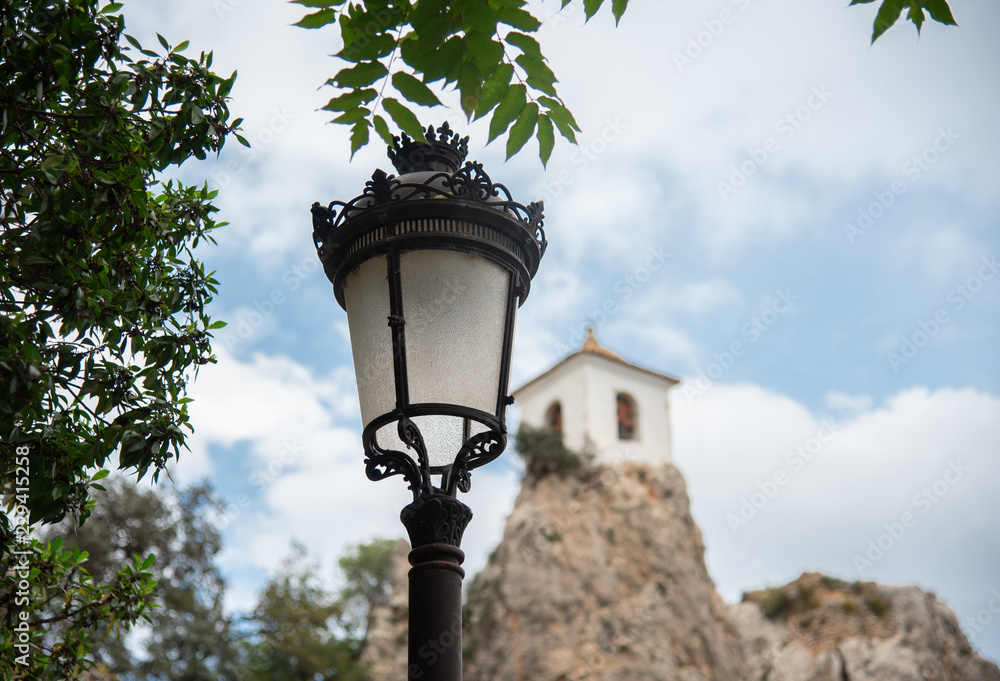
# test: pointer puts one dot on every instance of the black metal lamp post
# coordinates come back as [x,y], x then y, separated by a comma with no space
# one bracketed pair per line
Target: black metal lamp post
[431,267]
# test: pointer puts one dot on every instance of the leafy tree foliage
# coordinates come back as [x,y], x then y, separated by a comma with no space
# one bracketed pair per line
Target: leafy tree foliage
[298,624]
[301,629]
[102,304]
[367,572]
[188,636]
[64,598]
[169,544]
[486,49]
[890,11]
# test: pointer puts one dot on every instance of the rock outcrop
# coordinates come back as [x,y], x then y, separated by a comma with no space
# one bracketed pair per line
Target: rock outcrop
[600,576]
[822,629]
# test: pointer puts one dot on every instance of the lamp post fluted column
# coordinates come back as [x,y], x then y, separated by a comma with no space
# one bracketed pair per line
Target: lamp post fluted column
[435,525]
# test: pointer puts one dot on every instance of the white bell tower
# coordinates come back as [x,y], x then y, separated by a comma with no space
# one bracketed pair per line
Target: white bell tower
[595,395]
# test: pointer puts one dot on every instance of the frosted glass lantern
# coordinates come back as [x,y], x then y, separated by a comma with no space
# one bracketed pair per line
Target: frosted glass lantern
[431,267]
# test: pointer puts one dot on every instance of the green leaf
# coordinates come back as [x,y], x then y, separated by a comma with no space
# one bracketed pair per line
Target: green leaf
[318,3]
[351,100]
[365,49]
[361,75]
[413,89]
[163,41]
[546,138]
[404,118]
[618,9]
[494,89]
[540,76]
[561,117]
[100,475]
[183,46]
[507,110]
[479,17]
[353,116]
[590,7]
[433,24]
[519,18]
[359,136]
[317,19]
[382,128]
[940,12]
[111,8]
[470,87]
[526,44]
[887,15]
[522,129]
[916,14]
[485,51]
[442,62]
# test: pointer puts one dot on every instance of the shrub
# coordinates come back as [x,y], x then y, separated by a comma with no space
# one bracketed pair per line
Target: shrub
[544,452]
[877,606]
[807,598]
[775,603]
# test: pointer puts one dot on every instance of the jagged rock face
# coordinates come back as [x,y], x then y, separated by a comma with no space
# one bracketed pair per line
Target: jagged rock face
[820,629]
[600,576]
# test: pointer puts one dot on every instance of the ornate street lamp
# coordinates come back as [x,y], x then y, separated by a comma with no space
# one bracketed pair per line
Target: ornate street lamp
[431,267]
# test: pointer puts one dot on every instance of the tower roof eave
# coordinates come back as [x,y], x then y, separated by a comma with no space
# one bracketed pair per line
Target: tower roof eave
[592,347]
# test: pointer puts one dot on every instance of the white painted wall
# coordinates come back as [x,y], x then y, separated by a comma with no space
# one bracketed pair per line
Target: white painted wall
[586,384]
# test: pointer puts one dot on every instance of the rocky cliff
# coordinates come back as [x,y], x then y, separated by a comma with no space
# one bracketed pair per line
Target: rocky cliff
[601,576]
[822,629]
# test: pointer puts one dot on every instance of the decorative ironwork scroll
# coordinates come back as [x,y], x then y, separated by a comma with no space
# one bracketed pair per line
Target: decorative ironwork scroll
[469,183]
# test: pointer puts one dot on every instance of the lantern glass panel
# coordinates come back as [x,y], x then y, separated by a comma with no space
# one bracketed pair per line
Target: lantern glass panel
[443,437]
[366,298]
[455,305]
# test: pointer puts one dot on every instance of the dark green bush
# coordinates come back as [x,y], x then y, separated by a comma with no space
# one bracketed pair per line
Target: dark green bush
[877,606]
[544,452]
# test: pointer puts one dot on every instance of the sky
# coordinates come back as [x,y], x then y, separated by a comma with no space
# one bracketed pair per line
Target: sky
[827,214]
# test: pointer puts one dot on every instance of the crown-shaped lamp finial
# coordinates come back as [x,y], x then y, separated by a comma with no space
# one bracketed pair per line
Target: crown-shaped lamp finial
[444,151]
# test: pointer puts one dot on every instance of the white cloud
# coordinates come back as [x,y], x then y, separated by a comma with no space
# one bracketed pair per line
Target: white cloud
[944,251]
[849,404]
[765,66]
[698,297]
[811,501]
[269,403]
[838,492]
[303,476]
[653,182]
